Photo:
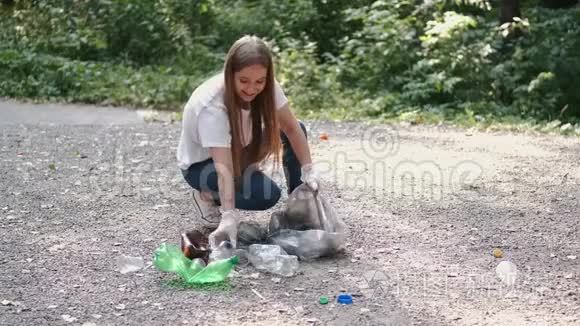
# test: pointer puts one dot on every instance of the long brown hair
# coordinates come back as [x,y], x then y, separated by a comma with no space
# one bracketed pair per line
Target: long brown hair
[248,51]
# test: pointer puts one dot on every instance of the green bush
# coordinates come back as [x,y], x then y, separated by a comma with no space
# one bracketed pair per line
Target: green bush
[29,75]
[403,59]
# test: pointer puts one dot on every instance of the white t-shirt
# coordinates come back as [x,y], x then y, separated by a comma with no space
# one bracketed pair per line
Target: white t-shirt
[205,122]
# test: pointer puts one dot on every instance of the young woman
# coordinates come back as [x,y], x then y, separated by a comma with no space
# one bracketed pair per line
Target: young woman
[231,123]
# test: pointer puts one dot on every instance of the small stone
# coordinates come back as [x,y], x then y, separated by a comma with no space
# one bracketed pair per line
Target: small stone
[116,244]
[364,310]
[7,303]
[311,320]
[354,260]
[552,256]
[276,279]
[52,306]
[25,271]
[96,316]
[298,289]
[452,274]
[89,324]
[120,307]
[571,257]
[255,275]
[299,309]
[68,318]
[569,276]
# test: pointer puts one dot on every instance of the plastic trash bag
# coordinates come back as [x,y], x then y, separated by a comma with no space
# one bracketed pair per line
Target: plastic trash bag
[309,244]
[309,227]
[251,232]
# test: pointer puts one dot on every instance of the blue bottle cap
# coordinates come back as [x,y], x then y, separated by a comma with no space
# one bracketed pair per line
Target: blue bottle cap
[344,299]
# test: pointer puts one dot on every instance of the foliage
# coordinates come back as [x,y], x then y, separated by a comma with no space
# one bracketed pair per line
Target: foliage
[420,61]
[31,75]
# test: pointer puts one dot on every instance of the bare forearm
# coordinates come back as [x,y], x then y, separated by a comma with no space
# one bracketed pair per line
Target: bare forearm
[300,146]
[222,159]
[226,188]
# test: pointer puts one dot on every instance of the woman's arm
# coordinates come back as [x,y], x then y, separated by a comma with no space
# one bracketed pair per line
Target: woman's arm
[290,126]
[222,158]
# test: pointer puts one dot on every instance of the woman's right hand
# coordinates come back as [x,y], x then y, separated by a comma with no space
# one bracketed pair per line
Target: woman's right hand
[227,229]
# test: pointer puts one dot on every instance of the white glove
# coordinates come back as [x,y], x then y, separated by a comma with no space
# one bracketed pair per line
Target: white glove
[227,229]
[309,176]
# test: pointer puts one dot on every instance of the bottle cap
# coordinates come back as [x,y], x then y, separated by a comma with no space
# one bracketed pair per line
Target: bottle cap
[344,299]
[323,300]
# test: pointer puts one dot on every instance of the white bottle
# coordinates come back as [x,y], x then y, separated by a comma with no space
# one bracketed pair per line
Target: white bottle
[224,251]
[272,258]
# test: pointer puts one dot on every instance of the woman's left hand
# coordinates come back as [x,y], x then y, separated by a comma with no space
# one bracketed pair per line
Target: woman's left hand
[310,176]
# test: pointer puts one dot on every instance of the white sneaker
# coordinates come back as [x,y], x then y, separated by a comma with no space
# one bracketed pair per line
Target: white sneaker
[209,215]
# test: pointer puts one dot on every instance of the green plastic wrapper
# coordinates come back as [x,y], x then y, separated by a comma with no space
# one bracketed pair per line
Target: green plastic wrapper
[169,258]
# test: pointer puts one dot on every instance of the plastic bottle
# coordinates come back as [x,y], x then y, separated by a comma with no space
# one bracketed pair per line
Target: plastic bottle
[507,272]
[272,258]
[169,258]
[216,271]
[194,244]
[225,250]
[128,264]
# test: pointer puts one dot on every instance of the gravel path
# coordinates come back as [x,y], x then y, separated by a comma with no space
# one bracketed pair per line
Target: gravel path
[425,207]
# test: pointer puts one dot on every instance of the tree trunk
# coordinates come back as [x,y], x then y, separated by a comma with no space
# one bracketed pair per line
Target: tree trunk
[509,9]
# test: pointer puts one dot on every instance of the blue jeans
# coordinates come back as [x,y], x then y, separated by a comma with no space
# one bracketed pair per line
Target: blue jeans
[257,191]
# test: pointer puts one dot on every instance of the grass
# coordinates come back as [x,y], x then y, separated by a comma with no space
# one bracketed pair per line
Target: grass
[416,117]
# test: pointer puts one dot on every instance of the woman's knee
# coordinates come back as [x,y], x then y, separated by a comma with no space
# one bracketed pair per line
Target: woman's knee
[202,176]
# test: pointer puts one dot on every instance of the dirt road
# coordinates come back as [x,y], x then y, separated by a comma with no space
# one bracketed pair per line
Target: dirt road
[425,207]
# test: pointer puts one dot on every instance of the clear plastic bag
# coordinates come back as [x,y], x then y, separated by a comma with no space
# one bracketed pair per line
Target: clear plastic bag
[309,227]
